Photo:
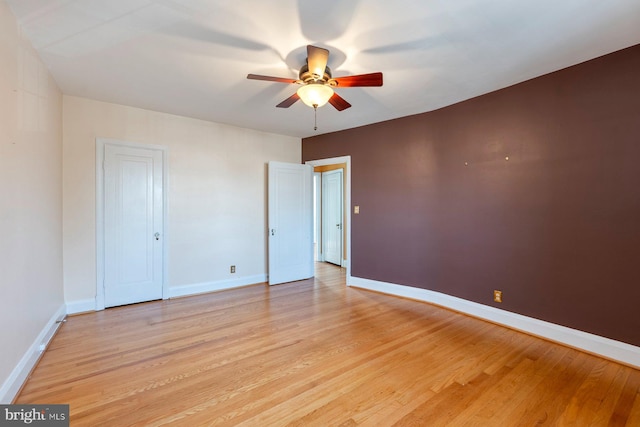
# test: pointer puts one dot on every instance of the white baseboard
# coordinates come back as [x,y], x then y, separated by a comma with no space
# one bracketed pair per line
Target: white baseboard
[86,305]
[18,376]
[595,344]
[200,288]
[81,306]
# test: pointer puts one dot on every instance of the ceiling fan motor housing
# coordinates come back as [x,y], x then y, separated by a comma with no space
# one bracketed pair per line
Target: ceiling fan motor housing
[307,76]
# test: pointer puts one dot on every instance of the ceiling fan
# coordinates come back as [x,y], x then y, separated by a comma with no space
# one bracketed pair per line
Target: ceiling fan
[316,82]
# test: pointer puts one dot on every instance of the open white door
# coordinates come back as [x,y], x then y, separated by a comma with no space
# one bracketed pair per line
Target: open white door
[290,222]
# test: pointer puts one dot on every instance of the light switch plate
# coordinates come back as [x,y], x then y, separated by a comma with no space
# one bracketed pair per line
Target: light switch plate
[356,209]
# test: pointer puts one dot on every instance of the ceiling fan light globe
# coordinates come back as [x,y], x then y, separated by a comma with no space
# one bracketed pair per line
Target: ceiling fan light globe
[315,94]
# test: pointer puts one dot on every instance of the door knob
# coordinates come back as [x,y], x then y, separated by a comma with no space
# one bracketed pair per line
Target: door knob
[157,236]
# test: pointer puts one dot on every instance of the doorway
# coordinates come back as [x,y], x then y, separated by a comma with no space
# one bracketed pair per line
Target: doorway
[340,225]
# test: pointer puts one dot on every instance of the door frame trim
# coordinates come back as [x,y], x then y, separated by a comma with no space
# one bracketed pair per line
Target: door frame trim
[347,205]
[100,147]
[317,213]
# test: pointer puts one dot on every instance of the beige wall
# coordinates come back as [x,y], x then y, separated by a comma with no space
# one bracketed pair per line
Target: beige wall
[31,290]
[216,193]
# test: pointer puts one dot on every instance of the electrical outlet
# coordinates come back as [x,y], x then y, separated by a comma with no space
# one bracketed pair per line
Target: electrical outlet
[233,268]
[497,296]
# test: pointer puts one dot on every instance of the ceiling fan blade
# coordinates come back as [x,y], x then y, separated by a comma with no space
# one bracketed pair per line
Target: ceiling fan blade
[271,79]
[317,58]
[372,79]
[289,101]
[339,102]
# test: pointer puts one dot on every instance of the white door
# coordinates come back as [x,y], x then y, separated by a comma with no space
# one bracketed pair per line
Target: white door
[133,224]
[332,216]
[290,222]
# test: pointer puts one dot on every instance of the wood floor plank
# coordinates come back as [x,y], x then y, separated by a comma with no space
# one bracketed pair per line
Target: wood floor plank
[516,390]
[586,401]
[317,352]
[633,416]
[443,408]
[628,394]
[561,384]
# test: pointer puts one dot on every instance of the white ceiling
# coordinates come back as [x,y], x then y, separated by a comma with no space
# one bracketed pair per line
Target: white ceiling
[191,57]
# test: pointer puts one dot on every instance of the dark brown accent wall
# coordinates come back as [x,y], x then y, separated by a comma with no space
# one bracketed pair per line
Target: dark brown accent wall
[556,227]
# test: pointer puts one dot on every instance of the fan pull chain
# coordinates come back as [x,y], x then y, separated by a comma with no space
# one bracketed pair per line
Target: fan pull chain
[315,116]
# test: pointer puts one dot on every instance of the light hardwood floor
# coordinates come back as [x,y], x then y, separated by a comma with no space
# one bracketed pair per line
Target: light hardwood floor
[319,353]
